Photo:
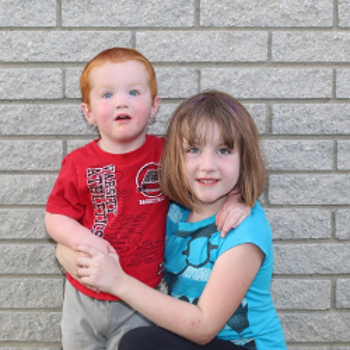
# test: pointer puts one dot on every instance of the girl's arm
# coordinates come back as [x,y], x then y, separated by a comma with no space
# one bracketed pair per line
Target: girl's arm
[225,290]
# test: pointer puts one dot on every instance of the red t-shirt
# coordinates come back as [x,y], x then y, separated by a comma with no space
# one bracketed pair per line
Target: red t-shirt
[117,197]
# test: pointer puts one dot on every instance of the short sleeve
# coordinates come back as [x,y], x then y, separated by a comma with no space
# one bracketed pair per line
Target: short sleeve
[64,198]
[255,229]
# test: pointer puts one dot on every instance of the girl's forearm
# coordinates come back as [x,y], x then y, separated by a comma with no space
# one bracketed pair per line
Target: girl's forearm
[182,318]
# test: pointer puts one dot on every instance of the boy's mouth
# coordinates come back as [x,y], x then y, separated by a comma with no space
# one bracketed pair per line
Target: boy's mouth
[122,117]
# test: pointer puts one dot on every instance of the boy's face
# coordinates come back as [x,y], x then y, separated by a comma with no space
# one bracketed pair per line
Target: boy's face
[120,105]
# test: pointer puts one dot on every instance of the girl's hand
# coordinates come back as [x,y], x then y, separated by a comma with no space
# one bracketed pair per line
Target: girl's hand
[99,270]
[231,214]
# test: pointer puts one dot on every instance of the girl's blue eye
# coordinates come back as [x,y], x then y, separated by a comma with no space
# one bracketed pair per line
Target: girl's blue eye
[224,151]
[133,93]
[193,150]
[107,95]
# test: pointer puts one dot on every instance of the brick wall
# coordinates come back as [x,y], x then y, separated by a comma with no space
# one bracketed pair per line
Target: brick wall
[287,61]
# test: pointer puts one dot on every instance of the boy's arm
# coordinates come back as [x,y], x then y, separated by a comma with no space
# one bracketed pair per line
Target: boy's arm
[231,214]
[71,233]
[68,259]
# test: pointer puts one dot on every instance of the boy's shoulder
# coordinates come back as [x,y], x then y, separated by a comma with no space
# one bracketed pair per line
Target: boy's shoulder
[84,150]
[155,140]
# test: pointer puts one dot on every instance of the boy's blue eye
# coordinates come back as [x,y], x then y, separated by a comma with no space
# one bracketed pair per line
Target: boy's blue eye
[193,150]
[133,93]
[107,95]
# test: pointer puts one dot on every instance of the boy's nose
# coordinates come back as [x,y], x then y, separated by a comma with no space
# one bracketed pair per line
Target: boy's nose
[121,101]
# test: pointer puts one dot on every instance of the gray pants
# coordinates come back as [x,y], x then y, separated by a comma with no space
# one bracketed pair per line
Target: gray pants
[92,324]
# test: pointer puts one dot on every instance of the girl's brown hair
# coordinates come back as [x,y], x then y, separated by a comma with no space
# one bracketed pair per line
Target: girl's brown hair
[116,55]
[237,128]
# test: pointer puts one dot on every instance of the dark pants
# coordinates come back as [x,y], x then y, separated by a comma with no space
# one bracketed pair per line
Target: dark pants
[156,338]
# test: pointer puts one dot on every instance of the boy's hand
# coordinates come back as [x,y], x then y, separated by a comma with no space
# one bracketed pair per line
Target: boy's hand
[231,214]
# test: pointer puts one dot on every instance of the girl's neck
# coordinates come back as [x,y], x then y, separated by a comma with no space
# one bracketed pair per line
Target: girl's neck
[205,210]
[195,216]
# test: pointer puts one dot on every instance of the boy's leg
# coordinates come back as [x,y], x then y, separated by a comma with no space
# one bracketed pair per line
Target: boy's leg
[123,318]
[83,321]
[156,338]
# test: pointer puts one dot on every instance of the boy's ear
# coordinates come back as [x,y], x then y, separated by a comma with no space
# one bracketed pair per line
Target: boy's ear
[88,115]
[155,107]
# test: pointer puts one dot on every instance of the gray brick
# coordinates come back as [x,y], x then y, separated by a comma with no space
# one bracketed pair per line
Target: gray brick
[30,155]
[123,13]
[342,224]
[323,327]
[31,293]
[269,82]
[25,189]
[296,155]
[38,258]
[38,13]
[40,348]
[311,189]
[240,13]
[164,113]
[17,83]
[298,224]
[74,144]
[310,47]
[344,13]
[309,119]
[343,155]
[301,294]
[72,88]
[25,224]
[177,83]
[182,46]
[58,46]
[259,114]
[309,259]
[342,83]
[343,293]
[172,83]
[257,111]
[30,326]
[41,119]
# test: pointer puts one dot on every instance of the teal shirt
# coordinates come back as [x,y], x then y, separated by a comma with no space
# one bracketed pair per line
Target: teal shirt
[190,253]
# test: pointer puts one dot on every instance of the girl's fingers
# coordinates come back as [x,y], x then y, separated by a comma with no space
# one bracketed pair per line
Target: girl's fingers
[87,249]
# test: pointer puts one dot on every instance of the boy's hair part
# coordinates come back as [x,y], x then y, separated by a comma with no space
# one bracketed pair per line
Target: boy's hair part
[237,128]
[116,55]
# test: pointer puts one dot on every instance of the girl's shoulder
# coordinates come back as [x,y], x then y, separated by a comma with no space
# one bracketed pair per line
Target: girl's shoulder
[254,229]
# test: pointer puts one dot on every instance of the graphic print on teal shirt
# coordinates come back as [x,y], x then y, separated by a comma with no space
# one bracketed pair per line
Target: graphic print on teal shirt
[190,253]
[199,251]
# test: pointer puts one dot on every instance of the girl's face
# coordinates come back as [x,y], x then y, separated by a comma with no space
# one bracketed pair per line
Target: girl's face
[212,169]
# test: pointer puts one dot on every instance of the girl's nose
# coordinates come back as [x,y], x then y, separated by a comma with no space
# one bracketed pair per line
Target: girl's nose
[207,162]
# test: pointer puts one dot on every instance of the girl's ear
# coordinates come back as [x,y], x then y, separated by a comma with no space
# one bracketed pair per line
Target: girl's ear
[88,114]
[155,107]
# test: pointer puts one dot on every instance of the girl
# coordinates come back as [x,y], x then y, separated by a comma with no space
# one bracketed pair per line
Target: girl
[219,288]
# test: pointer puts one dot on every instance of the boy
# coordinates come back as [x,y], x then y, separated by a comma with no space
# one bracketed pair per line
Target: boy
[110,188]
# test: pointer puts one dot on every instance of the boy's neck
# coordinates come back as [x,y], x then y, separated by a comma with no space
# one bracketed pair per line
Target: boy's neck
[121,147]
